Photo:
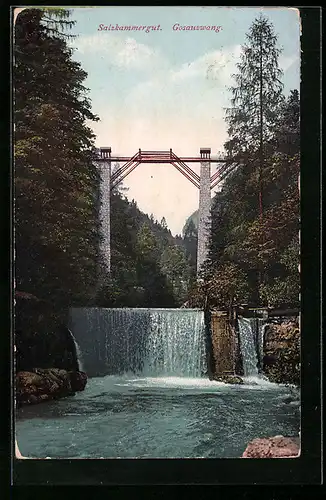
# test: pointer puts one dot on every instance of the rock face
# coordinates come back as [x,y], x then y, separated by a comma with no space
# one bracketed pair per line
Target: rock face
[40,385]
[281,362]
[41,338]
[78,381]
[273,447]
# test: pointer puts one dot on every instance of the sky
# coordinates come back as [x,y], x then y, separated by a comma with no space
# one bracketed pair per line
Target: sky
[169,89]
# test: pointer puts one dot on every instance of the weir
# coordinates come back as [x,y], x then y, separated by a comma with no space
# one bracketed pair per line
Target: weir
[251,334]
[149,342]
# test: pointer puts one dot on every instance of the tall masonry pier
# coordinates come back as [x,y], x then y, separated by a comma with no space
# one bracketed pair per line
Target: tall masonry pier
[204,182]
[105,170]
[204,207]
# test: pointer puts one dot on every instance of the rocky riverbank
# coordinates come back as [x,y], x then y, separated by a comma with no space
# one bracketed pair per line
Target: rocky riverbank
[273,447]
[38,385]
[281,363]
[46,360]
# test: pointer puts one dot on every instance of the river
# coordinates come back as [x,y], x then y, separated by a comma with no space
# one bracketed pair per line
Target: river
[158,417]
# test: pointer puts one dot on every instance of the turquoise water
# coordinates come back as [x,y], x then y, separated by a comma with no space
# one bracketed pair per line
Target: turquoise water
[159,417]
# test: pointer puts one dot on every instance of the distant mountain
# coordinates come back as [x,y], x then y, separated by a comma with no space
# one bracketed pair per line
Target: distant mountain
[194,218]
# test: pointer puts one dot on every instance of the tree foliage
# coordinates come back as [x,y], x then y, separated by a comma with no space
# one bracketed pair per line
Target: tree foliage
[257,95]
[57,188]
[56,181]
[254,247]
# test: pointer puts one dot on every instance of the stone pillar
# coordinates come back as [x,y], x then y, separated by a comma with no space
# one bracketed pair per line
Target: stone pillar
[223,343]
[204,207]
[105,208]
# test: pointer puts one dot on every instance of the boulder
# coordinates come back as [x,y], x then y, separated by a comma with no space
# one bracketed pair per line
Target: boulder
[228,379]
[78,381]
[42,384]
[273,447]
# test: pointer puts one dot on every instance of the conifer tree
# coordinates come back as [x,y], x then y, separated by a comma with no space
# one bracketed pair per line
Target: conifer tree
[257,94]
[56,180]
[255,217]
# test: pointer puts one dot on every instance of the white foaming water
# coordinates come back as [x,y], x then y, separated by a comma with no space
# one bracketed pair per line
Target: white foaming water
[173,382]
[78,353]
[259,381]
[175,344]
[79,356]
[128,382]
[148,342]
[248,348]
[261,335]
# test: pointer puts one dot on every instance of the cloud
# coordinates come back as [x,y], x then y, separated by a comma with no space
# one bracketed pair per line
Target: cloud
[123,52]
[195,92]
[285,62]
[134,54]
[179,107]
[216,65]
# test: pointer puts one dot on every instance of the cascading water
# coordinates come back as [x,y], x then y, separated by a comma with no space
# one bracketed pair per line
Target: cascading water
[261,335]
[176,344]
[160,409]
[251,333]
[77,351]
[78,355]
[151,342]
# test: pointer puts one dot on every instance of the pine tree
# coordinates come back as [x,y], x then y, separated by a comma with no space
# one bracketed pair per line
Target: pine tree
[256,99]
[56,180]
[264,133]
[176,268]
[257,95]
[253,118]
[163,223]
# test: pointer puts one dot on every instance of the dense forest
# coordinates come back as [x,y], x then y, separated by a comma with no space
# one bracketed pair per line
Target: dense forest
[255,217]
[150,267]
[57,190]
[254,247]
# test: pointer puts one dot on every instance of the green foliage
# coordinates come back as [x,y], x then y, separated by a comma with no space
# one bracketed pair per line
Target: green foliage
[57,232]
[257,96]
[176,268]
[225,286]
[56,182]
[147,264]
[190,241]
[146,244]
[254,256]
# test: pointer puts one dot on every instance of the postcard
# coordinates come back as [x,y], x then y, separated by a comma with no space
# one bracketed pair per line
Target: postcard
[157,246]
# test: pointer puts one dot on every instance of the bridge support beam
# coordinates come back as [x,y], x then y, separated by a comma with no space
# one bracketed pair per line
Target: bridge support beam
[105,207]
[204,207]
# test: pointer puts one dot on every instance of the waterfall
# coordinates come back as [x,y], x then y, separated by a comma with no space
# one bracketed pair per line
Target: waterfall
[79,356]
[149,342]
[78,353]
[251,333]
[261,335]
